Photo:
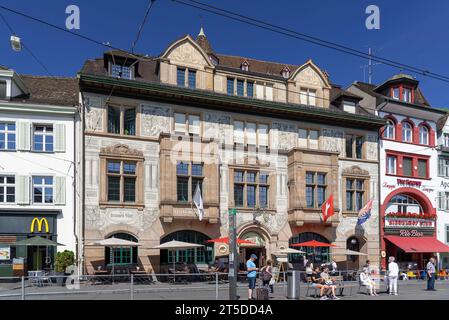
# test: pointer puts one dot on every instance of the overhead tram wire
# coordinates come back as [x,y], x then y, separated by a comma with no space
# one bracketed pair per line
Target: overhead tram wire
[150,5]
[418,70]
[314,40]
[92,40]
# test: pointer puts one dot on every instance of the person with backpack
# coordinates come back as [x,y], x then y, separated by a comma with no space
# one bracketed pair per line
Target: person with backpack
[266,274]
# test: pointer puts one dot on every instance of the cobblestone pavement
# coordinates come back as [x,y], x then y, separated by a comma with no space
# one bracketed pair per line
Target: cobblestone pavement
[408,290]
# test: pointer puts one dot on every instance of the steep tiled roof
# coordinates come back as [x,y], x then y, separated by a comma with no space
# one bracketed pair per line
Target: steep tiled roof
[50,90]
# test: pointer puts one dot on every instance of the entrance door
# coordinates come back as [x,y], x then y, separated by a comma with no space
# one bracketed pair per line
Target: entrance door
[39,258]
[259,252]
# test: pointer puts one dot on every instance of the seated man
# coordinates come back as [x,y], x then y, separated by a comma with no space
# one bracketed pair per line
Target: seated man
[366,281]
[329,282]
[317,282]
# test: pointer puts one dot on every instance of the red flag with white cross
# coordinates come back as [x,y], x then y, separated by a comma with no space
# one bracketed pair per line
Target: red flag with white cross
[328,208]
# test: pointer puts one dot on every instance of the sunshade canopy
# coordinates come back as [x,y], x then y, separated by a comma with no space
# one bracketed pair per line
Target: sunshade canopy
[38,242]
[115,242]
[419,245]
[226,240]
[175,245]
[313,244]
[287,251]
[347,252]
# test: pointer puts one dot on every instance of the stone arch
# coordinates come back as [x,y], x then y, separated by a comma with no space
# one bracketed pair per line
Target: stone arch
[120,228]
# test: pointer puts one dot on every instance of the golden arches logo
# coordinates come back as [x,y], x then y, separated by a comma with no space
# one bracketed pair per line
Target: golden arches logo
[39,225]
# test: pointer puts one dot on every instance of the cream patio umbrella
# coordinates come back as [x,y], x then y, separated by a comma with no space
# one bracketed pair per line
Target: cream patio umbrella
[114,243]
[176,245]
[347,252]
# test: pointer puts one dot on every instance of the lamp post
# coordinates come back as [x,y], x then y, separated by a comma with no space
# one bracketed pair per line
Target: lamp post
[233,254]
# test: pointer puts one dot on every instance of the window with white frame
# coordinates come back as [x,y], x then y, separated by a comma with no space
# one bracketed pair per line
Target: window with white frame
[308,138]
[187,123]
[307,97]
[407,132]
[43,138]
[389,132]
[391,164]
[7,136]
[251,133]
[443,201]
[423,135]
[7,189]
[406,95]
[42,189]
[446,139]
[119,71]
[443,167]
[395,93]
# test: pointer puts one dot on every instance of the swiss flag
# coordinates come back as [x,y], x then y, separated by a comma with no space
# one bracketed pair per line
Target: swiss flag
[328,208]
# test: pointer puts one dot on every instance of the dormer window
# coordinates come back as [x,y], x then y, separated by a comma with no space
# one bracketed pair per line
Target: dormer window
[286,73]
[119,71]
[402,93]
[395,93]
[2,89]
[245,66]
[406,95]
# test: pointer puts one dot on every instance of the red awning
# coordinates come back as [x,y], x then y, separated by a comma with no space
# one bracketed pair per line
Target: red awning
[418,245]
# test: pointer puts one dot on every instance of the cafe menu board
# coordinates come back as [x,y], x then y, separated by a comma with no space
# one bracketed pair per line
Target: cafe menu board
[5,253]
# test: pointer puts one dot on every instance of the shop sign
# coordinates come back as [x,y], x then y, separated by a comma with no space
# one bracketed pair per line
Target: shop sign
[411,233]
[5,253]
[40,223]
[444,185]
[409,223]
[408,183]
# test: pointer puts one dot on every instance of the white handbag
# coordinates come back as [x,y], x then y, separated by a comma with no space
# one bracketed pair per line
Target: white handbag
[272,281]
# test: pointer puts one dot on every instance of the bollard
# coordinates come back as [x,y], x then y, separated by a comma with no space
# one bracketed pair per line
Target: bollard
[132,286]
[216,286]
[23,288]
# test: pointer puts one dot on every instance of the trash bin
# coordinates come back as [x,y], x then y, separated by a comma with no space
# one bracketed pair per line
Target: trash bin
[293,281]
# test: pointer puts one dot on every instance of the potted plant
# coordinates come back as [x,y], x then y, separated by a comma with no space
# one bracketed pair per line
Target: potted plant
[63,260]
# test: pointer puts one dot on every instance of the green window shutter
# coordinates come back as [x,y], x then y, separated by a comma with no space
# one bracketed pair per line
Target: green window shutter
[23,136]
[59,138]
[59,191]
[23,190]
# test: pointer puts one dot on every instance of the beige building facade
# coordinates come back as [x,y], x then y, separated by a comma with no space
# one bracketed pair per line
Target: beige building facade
[272,140]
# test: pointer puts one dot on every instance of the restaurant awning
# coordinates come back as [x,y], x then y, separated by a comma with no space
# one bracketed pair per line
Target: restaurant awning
[418,245]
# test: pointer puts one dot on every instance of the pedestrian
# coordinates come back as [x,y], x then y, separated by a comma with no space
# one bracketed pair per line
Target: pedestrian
[328,281]
[365,280]
[266,274]
[368,266]
[334,267]
[251,275]
[431,274]
[393,273]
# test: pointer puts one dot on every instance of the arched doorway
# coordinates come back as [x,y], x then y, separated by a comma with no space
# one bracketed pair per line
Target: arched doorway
[203,255]
[353,244]
[121,256]
[316,255]
[258,248]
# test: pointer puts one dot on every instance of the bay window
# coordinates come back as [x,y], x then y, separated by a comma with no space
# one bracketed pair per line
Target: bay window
[316,185]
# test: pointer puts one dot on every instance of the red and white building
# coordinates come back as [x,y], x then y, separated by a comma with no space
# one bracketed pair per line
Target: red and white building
[408,169]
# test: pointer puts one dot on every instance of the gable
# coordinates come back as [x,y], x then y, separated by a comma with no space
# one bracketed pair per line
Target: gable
[310,75]
[186,52]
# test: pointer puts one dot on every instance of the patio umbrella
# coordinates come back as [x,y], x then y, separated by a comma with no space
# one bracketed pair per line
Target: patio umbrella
[114,243]
[313,244]
[287,251]
[348,252]
[38,242]
[176,245]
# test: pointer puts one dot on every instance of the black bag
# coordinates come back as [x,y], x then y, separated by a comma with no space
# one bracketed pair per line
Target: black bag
[264,275]
[262,293]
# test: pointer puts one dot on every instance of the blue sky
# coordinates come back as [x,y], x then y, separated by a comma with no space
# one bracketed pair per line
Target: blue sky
[413,32]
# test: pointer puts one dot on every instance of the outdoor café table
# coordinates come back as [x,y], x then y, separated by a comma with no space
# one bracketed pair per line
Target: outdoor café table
[141,276]
[102,277]
[35,277]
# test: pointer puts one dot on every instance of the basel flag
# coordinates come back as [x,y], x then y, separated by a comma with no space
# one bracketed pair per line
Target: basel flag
[328,208]
[365,213]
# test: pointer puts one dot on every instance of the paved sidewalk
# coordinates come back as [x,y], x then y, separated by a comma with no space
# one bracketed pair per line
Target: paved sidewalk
[408,290]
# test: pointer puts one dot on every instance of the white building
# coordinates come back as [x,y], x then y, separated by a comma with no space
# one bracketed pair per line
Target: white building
[38,119]
[408,169]
[443,187]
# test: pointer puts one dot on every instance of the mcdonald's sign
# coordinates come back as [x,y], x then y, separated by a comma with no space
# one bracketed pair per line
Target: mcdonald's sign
[39,222]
